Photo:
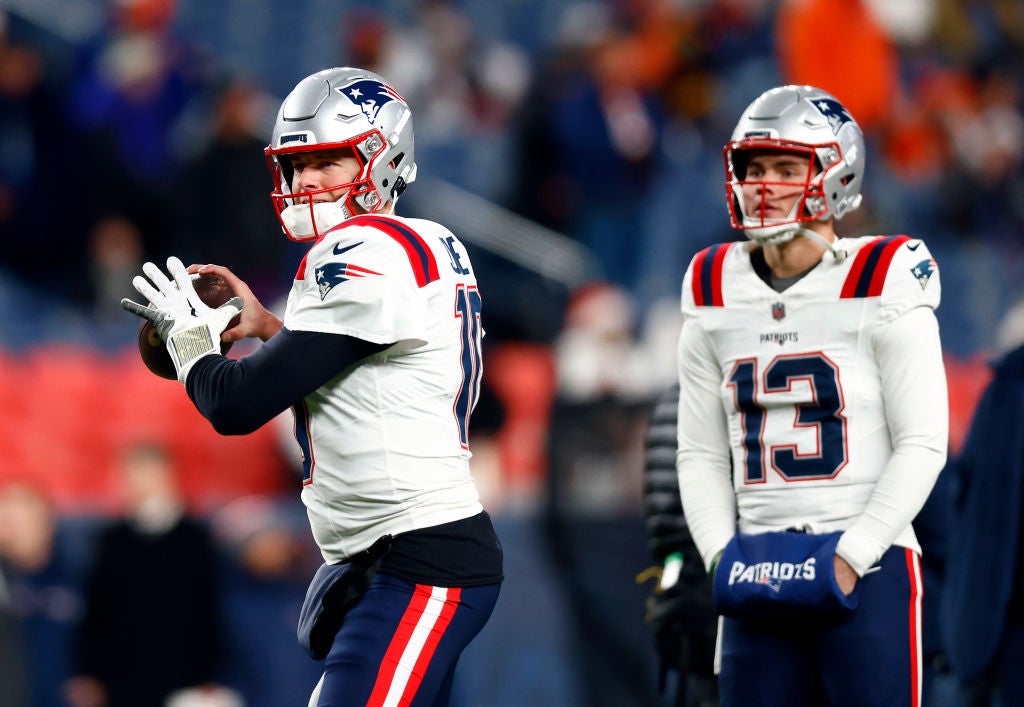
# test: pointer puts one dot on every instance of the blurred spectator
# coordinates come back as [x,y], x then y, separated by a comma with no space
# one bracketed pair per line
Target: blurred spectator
[115,250]
[21,75]
[207,696]
[150,625]
[363,34]
[589,133]
[13,679]
[986,136]
[13,675]
[267,561]
[126,102]
[38,223]
[133,88]
[488,419]
[983,607]
[41,572]
[679,609]
[464,90]
[598,354]
[595,466]
[938,688]
[596,540]
[222,213]
[860,67]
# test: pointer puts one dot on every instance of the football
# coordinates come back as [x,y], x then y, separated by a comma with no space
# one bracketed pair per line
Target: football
[214,291]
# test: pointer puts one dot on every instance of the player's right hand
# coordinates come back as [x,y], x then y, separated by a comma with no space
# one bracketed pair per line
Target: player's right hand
[846,577]
[256,320]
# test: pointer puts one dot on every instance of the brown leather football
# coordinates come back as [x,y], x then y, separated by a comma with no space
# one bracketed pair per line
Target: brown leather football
[214,291]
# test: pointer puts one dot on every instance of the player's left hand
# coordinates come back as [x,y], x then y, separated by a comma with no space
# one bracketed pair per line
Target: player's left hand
[189,327]
[846,577]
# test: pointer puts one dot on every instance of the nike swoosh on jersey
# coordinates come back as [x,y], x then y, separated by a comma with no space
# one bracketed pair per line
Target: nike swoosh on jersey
[338,250]
[913,246]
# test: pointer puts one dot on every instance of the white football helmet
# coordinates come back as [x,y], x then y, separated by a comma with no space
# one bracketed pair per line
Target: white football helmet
[333,109]
[808,121]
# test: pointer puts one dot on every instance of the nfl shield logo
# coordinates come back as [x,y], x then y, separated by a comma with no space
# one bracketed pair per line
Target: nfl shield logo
[778,311]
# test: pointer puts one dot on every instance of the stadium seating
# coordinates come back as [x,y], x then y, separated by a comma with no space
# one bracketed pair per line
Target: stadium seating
[66,411]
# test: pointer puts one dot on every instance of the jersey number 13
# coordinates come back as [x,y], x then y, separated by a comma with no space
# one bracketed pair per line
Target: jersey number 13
[756,397]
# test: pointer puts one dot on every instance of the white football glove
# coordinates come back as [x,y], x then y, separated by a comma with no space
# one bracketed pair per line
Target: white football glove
[187,325]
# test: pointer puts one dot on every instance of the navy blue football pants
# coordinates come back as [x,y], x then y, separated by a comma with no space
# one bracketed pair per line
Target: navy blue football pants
[872,656]
[399,644]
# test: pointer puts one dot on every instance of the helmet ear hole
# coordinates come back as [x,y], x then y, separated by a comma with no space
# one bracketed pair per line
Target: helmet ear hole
[287,171]
[740,159]
[399,189]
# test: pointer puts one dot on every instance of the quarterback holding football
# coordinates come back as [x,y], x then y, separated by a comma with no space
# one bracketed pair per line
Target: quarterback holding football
[379,358]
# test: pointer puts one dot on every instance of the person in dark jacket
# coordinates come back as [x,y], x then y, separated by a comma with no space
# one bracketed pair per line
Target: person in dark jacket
[679,610]
[983,606]
[150,625]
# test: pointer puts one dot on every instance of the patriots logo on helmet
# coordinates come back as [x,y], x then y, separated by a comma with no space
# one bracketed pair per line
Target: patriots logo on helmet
[371,95]
[833,112]
[331,275]
[923,271]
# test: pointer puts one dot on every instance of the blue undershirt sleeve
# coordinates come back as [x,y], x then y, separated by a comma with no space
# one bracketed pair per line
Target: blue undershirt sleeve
[240,396]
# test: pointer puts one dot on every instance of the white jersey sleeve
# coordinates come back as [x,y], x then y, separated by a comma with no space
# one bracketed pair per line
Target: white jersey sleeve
[914,391]
[912,280]
[702,460]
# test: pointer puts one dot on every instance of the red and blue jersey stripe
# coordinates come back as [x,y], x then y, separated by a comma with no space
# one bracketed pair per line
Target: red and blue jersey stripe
[421,258]
[870,266]
[707,276]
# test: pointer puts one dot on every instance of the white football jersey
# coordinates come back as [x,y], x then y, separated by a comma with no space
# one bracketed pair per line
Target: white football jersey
[797,380]
[385,444]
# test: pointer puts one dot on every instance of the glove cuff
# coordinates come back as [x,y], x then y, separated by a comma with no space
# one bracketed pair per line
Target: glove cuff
[189,345]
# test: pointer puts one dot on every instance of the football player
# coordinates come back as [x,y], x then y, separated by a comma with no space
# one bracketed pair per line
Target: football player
[813,419]
[379,358]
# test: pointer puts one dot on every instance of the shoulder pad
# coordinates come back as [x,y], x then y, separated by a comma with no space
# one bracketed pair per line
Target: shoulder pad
[704,288]
[871,266]
[898,269]
[421,257]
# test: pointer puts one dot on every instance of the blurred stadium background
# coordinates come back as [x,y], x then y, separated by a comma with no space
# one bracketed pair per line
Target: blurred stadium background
[574,145]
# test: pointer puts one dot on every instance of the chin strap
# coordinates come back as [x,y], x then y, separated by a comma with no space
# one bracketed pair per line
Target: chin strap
[839,255]
[790,228]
